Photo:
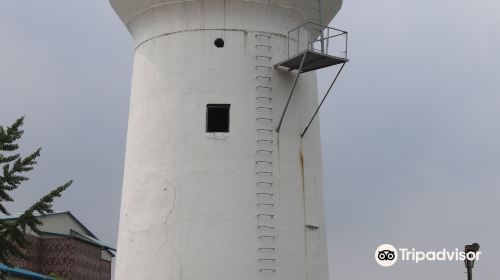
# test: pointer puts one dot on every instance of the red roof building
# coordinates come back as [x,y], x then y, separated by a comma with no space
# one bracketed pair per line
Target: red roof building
[66,249]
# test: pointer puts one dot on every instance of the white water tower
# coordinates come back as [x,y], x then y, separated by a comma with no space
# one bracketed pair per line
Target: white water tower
[223,177]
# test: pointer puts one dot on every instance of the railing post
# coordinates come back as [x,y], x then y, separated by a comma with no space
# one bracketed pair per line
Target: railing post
[345,52]
[327,38]
[298,39]
[310,43]
[322,40]
[288,42]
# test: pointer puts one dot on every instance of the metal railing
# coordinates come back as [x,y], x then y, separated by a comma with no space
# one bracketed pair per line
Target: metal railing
[319,38]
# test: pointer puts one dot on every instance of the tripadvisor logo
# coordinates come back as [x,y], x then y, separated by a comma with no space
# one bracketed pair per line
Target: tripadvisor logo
[387,255]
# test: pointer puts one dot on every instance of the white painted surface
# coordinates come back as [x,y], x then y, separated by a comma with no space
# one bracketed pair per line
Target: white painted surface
[194,204]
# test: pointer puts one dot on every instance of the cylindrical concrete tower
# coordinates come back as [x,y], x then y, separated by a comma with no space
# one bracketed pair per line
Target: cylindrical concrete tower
[211,190]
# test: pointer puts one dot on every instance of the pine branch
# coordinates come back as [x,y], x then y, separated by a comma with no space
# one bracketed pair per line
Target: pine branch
[13,241]
[10,135]
[42,207]
[12,234]
[7,159]
[10,180]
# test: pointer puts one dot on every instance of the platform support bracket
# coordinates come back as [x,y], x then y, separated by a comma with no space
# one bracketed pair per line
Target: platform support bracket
[322,100]
[291,92]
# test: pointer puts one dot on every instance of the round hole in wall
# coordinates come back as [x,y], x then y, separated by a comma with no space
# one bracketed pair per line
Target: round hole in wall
[219,43]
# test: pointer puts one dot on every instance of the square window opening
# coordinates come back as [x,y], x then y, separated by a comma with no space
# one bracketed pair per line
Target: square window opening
[218,117]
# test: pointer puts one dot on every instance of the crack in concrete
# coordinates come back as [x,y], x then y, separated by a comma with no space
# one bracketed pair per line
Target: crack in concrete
[178,260]
[173,204]
[172,208]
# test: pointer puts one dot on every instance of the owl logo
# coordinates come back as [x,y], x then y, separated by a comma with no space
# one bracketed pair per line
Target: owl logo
[386,255]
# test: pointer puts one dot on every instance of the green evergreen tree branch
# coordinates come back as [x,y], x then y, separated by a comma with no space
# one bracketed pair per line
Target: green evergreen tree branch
[13,169]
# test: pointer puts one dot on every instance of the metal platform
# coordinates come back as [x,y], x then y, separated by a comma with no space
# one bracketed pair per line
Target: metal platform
[310,47]
[314,60]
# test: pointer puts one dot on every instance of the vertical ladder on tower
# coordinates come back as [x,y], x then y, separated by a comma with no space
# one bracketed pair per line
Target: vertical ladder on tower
[265,159]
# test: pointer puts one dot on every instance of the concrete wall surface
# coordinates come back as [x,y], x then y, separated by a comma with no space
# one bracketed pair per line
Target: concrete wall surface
[241,205]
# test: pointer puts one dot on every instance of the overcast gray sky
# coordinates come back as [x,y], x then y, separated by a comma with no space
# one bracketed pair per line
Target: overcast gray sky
[411,134]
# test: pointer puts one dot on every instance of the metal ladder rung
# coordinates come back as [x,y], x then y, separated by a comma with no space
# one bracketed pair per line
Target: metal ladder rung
[267,236]
[267,269]
[263,56]
[264,151]
[264,119]
[263,46]
[264,87]
[266,193]
[265,141]
[263,67]
[265,204]
[265,215]
[264,130]
[263,162]
[265,97]
[263,78]
[264,173]
[266,260]
[268,227]
[264,183]
[264,108]
[267,249]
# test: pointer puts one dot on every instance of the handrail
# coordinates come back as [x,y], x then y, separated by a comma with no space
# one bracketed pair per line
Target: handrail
[316,37]
[324,26]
